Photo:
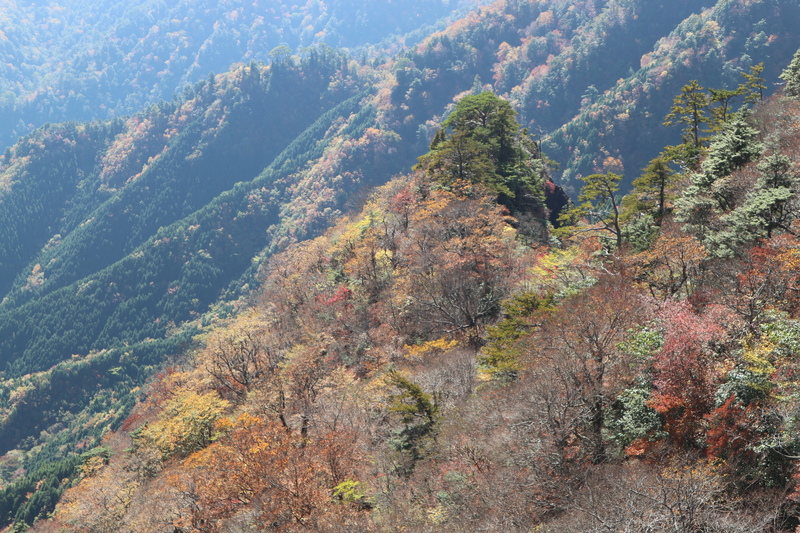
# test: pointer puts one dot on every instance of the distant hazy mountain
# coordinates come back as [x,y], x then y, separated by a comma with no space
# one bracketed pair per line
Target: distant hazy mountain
[81,60]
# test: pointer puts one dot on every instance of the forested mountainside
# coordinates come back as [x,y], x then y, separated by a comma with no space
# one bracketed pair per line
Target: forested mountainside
[421,368]
[134,244]
[595,79]
[587,75]
[91,59]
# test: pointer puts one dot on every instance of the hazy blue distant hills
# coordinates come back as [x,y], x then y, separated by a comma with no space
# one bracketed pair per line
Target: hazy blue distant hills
[81,60]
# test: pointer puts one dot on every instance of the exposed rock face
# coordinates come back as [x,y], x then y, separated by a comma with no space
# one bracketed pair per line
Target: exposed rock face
[555,199]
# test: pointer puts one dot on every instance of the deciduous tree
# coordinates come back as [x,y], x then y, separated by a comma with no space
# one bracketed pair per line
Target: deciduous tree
[240,356]
[585,333]
[683,378]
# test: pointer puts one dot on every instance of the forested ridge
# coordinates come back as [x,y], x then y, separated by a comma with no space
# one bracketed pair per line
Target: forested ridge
[358,278]
[423,366]
[139,268]
[79,60]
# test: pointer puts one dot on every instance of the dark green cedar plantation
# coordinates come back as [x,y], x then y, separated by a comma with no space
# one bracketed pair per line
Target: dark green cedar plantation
[104,246]
[122,238]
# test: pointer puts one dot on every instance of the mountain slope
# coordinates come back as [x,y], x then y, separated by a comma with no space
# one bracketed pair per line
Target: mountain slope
[560,65]
[79,60]
[170,210]
[141,261]
[121,240]
[715,47]
[607,392]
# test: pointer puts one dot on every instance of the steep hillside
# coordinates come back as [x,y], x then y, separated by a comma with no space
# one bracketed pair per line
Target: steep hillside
[420,368]
[577,71]
[417,263]
[110,263]
[141,218]
[124,241]
[623,119]
[85,60]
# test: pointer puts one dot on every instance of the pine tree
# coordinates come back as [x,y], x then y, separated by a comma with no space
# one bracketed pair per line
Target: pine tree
[653,182]
[721,113]
[598,204]
[482,142]
[754,84]
[734,146]
[771,204]
[791,75]
[690,108]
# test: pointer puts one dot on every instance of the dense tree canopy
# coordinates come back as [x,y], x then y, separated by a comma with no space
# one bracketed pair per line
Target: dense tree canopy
[481,142]
[437,360]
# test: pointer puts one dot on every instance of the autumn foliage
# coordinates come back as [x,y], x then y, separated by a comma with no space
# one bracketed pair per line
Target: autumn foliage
[421,367]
